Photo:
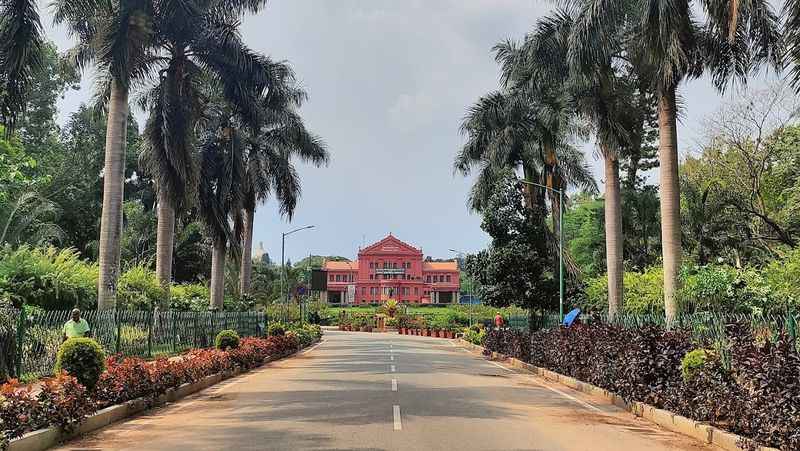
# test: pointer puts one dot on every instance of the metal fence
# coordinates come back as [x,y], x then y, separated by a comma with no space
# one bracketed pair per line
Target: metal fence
[33,339]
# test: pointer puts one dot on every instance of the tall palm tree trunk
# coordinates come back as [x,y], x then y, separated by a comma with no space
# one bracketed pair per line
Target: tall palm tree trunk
[218,274]
[113,192]
[165,238]
[670,200]
[247,252]
[613,217]
[528,189]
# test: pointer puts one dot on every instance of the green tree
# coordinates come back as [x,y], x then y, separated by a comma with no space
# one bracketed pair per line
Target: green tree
[278,137]
[21,54]
[200,44]
[664,38]
[118,37]
[515,269]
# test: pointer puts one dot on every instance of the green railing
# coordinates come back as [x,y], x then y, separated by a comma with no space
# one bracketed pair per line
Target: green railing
[33,339]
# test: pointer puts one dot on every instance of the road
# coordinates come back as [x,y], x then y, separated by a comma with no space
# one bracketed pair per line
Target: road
[361,391]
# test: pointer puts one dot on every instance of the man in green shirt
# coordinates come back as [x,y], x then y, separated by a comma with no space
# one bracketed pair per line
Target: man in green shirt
[77,326]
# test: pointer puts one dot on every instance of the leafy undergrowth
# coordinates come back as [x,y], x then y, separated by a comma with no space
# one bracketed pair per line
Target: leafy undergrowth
[64,402]
[756,393]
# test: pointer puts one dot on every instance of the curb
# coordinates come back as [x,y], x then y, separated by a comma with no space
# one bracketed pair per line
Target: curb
[43,439]
[698,430]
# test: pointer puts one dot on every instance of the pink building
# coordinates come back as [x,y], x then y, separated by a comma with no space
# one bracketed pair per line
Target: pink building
[391,269]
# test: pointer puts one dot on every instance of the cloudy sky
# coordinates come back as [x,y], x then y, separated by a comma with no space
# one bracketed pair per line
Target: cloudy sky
[389,82]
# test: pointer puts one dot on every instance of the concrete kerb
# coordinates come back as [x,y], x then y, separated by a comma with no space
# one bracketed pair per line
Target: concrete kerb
[676,423]
[43,439]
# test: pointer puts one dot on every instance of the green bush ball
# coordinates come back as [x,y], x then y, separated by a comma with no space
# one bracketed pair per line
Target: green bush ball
[82,358]
[227,339]
[693,362]
[276,330]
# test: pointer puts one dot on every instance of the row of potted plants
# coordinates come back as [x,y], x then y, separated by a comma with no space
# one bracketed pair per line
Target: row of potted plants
[434,327]
[438,333]
[356,322]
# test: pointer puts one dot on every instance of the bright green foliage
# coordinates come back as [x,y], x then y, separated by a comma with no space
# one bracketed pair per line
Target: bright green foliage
[643,292]
[50,278]
[783,276]
[82,358]
[584,233]
[188,297]
[693,362]
[138,289]
[722,288]
[475,335]
[276,329]
[226,339]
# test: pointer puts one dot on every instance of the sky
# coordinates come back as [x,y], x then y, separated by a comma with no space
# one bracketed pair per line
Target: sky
[389,82]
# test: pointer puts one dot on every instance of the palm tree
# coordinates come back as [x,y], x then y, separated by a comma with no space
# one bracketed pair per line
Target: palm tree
[792,34]
[21,54]
[117,36]
[195,45]
[269,169]
[598,96]
[222,173]
[663,38]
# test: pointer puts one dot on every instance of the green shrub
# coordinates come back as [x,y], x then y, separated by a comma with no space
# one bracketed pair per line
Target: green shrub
[276,329]
[138,289]
[693,362]
[82,358]
[226,339]
[50,278]
[189,297]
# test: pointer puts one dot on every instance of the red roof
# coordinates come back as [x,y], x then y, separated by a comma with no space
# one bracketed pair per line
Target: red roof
[341,266]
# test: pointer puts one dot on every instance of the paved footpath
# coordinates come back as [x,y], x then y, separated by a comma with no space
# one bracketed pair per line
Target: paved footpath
[361,391]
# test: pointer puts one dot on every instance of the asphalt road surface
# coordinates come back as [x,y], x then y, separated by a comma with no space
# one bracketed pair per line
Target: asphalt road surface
[361,391]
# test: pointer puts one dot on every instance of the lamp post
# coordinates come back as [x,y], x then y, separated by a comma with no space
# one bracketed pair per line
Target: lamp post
[560,246]
[283,272]
[469,292]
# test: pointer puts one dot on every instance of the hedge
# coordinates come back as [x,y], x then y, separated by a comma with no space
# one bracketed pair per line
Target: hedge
[65,402]
[753,391]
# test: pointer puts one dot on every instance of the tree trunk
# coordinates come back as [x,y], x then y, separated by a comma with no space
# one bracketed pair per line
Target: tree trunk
[614,240]
[218,274]
[246,270]
[113,180]
[528,189]
[165,240]
[670,201]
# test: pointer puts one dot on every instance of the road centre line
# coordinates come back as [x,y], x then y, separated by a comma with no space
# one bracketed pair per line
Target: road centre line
[393,369]
[394,384]
[398,425]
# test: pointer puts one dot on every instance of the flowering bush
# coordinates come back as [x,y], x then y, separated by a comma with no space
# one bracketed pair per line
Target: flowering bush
[64,402]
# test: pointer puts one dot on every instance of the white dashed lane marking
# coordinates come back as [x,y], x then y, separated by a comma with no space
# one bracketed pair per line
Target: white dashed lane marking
[394,384]
[398,425]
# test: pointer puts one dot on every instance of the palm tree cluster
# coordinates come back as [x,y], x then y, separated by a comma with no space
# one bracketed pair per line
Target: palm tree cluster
[223,124]
[583,70]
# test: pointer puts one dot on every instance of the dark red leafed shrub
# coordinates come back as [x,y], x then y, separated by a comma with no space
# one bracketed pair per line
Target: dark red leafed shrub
[62,402]
[17,410]
[757,397]
[65,402]
[509,342]
[124,379]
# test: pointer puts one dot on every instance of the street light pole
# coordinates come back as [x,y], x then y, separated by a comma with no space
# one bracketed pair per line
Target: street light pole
[285,294]
[560,246]
[469,291]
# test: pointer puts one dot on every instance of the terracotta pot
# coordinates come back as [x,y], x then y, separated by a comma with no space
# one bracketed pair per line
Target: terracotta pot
[427,332]
[341,327]
[400,331]
[436,333]
[449,334]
